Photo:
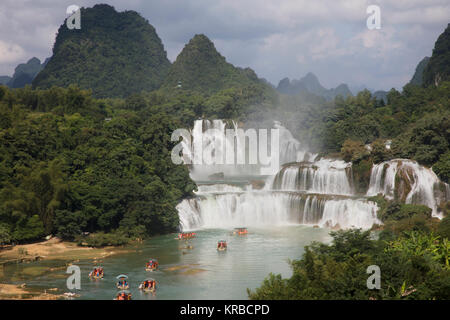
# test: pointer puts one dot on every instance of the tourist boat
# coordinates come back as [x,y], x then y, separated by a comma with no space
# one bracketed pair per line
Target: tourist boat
[123,295]
[240,231]
[151,265]
[96,273]
[221,245]
[148,285]
[122,284]
[186,235]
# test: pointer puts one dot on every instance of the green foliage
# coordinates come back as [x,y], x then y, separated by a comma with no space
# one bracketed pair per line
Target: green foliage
[114,54]
[379,151]
[442,167]
[414,244]
[427,140]
[353,150]
[398,217]
[28,229]
[101,239]
[5,235]
[71,164]
[413,266]
[443,229]
[438,68]
[361,175]
[398,211]
[199,67]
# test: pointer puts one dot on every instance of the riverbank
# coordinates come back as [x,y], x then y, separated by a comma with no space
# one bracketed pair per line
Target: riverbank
[20,292]
[55,250]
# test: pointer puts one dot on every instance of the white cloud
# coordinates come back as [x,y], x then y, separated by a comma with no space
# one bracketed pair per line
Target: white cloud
[10,52]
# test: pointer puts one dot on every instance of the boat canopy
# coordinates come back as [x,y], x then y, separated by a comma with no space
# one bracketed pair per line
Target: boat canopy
[149,279]
[122,276]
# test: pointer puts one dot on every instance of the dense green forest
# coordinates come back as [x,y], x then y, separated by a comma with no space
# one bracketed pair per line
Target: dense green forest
[114,53]
[414,265]
[72,164]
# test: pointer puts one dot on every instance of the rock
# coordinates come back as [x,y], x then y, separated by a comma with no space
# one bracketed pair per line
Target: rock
[257,184]
[217,176]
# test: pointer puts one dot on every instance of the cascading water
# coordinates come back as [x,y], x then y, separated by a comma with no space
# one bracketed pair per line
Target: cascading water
[408,182]
[305,191]
[263,209]
[323,176]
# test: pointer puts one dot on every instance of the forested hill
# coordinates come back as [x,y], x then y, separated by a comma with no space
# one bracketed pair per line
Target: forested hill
[70,164]
[114,54]
[438,68]
[417,78]
[200,67]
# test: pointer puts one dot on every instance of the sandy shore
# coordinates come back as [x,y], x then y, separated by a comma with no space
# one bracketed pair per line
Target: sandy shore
[14,292]
[53,249]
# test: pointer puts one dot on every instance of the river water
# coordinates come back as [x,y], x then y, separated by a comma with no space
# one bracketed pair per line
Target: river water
[198,273]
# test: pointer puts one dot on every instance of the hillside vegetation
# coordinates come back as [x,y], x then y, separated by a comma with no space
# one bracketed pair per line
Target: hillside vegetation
[114,54]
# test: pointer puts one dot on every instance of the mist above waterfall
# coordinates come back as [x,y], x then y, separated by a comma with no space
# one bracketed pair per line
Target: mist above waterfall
[304,189]
[218,148]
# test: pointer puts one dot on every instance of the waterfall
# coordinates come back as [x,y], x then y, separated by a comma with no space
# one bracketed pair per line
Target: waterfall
[323,176]
[207,152]
[266,209]
[217,188]
[349,213]
[303,191]
[408,182]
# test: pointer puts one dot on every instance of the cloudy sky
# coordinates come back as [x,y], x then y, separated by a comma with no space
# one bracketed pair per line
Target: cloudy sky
[276,38]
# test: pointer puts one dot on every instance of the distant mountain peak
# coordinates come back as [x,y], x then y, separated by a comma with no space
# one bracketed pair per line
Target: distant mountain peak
[201,38]
[24,73]
[310,83]
[200,67]
[310,77]
[34,60]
